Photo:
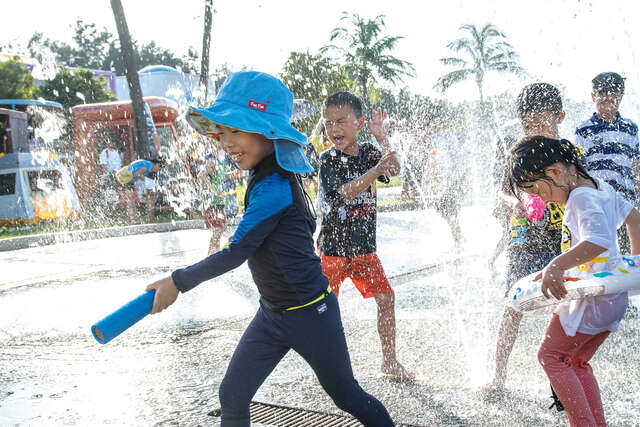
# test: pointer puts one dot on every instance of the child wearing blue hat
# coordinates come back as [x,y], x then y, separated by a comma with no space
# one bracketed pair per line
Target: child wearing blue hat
[251,118]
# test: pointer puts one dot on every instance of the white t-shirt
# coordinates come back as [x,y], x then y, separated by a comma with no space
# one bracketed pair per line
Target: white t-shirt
[111,159]
[593,215]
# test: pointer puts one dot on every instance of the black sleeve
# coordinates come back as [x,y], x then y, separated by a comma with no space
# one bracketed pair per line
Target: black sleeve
[330,177]
[373,156]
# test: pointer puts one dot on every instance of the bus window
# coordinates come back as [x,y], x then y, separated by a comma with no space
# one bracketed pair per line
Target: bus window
[7,184]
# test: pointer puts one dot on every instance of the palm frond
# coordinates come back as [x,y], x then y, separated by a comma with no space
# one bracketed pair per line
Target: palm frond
[488,50]
[353,17]
[508,66]
[337,32]
[459,44]
[458,62]
[499,46]
[385,44]
[365,52]
[471,29]
[327,48]
[449,79]
[477,38]
[393,69]
[466,45]
[380,20]
[501,57]
[490,30]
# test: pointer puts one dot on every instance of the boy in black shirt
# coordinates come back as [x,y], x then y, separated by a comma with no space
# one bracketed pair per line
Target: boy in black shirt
[347,240]
[540,110]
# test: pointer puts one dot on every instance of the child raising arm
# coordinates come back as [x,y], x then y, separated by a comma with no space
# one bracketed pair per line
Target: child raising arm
[347,239]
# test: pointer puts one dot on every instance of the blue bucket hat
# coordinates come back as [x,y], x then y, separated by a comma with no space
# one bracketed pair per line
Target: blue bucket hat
[256,102]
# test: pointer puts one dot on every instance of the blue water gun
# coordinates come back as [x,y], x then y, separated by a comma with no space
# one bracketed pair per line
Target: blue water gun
[123,318]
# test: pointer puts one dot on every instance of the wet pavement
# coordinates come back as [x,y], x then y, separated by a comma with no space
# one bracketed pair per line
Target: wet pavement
[166,370]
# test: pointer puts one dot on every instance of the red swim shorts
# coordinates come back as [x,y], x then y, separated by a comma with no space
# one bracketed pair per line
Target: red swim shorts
[365,271]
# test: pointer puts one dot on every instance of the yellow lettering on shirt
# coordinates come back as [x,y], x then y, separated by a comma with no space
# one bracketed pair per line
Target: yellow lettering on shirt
[565,244]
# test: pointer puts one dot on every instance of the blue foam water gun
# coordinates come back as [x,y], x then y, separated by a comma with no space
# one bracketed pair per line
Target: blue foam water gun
[123,318]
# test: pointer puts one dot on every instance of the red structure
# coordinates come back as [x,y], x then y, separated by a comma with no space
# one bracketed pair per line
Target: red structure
[90,121]
[13,131]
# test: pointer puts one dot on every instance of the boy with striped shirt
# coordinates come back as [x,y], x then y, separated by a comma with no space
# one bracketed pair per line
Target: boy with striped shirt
[610,143]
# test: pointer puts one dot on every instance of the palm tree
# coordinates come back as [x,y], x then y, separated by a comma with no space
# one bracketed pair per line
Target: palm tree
[366,52]
[486,50]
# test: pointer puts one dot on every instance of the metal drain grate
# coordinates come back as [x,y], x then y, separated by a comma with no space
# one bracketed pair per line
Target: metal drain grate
[283,416]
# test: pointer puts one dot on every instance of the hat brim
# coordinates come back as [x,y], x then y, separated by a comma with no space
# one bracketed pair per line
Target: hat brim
[291,156]
[204,121]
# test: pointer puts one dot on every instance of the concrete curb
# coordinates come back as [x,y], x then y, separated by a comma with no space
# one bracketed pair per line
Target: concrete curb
[24,242]
[14,243]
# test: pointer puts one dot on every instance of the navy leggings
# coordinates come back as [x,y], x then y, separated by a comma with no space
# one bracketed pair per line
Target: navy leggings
[315,332]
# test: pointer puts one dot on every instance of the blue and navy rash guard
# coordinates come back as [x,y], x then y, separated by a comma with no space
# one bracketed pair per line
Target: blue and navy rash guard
[276,236]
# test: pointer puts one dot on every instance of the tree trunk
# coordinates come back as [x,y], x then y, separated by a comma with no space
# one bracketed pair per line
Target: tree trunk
[206,41]
[141,138]
[479,83]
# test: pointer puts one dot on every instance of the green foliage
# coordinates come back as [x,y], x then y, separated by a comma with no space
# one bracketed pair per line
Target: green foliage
[482,51]
[92,46]
[314,77]
[152,54]
[367,52]
[71,88]
[75,87]
[45,50]
[100,50]
[16,81]
[416,114]
[419,113]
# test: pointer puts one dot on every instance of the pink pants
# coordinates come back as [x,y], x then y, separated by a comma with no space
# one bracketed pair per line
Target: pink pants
[565,360]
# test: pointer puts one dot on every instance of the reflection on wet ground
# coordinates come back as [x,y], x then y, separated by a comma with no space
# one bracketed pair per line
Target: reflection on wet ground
[167,369]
